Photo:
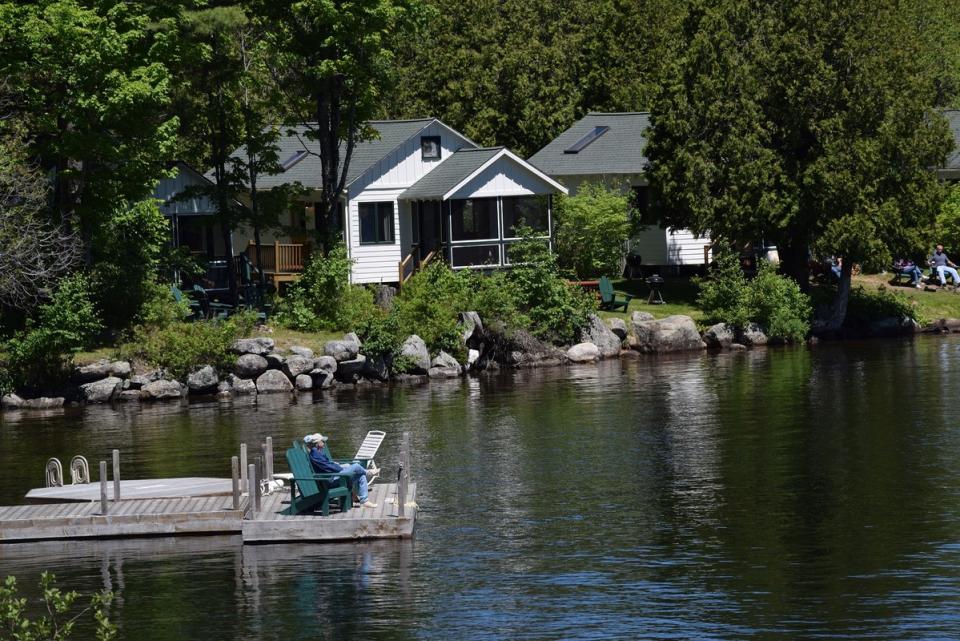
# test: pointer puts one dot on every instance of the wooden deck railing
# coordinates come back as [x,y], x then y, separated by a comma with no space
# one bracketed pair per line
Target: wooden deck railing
[281,261]
[406,268]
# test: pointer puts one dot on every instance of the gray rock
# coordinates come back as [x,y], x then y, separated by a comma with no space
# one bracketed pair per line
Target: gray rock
[300,350]
[377,369]
[13,401]
[619,327]
[599,334]
[341,350]
[671,334]
[720,335]
[326,363]
[472,327]
[353,338]
[241,386]
[130,396]
[444,366]
[93,372]
[250,366]
[120,369]
[162,389]
[414,350]
[321,378]
[203,380]
[304,382]
[752,335]
[737,347]
[273,381]
[473,355]
[294,366]
[137,381]
[892,326]
[351,370]
[639,317]
[383,296]
[586,352]
[224,388]
[260,346]
[524,350]
[101,391]
[274,360]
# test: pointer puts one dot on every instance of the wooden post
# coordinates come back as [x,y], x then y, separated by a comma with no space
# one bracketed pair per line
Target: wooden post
[116,475]
[404,475]
[103,487]
[276,256]
[268,455]
[253,488]
[235,476]
[244,487]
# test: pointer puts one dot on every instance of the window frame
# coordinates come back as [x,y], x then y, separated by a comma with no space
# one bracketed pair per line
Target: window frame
[423,151]
[377,205]
[544,233]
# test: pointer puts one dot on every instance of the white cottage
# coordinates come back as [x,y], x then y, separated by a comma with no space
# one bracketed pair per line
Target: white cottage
[419,190]
[608,148]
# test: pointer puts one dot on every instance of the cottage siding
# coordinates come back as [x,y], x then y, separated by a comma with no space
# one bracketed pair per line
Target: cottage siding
[684,247]
[404,166]
[503,178]
[374,263]
[167,188]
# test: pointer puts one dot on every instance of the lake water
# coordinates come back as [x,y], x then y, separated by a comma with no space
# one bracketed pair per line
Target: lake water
[781,494]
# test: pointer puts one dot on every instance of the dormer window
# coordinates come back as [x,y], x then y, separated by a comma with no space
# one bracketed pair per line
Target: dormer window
[430,147]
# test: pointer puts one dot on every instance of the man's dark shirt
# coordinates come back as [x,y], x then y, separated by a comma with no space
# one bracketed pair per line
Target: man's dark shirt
[321,463]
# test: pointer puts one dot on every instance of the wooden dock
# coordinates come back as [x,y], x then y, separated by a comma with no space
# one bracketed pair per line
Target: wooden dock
[136,490]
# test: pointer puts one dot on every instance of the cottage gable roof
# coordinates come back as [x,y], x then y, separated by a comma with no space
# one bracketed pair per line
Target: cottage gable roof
[614,145]
[451,172]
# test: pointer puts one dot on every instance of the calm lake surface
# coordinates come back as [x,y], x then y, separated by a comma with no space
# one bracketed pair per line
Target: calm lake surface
[782,494]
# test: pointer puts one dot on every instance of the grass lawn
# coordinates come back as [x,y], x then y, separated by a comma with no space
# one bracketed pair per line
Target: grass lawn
[679,294]
[930,305]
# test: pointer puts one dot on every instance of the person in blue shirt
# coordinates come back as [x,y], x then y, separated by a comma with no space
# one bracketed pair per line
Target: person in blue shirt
[324,465]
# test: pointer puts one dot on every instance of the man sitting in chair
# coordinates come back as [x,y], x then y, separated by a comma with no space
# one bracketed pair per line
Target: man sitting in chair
[322,464]
[941,265]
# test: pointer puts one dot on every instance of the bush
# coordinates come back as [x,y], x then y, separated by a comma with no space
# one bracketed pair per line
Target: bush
[592,229]
[323,298]
[68,323]
[866,306]
[178,348]
[948,221]
[556,309]
[160,308]
[58,622]
[428,305]
[771,300]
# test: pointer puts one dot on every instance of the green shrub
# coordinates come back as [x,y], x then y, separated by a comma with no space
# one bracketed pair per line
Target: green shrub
[179,347]
[556,310]
[160,308]
[68,323]
[592,229]
[495,300]
[948,221]
[428,306]
[323,298]
[867,306]
[59,617]
[723,296]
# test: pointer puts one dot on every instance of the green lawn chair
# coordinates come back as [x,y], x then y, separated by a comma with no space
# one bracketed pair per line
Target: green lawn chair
[195,309]
[211,308]
[311,491]
[608,299]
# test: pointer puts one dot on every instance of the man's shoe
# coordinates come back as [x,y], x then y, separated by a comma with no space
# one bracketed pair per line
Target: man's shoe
[368,504]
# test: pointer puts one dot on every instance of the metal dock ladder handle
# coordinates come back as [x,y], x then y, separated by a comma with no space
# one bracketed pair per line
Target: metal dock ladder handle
[79,470]
[54,472]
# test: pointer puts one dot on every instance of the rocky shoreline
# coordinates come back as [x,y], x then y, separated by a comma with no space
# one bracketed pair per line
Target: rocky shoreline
[260,369]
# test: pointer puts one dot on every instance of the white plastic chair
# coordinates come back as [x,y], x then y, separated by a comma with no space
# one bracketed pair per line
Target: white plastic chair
[368,449]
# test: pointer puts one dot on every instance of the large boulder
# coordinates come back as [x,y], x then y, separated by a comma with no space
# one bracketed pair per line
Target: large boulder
[414,352]
[752,335]
[120,369]
[377,369]
[130,396]
[326,363]
[162,389]
[203,380]
[303,382]
[241,386]
[294,366]
[671,334]
[260,346]
[471,327]
[274,360]
[720,335]
[137,381]
[444,366]
[640,317]
[101,391]
[273,381]
[522,349]
[13,401]
[892,326]
[351,370]
[300,350]
[353,338]
[341,350]
[321,378]
[250,366]
[93,371]
[619,327]
[585,352]
[599,334]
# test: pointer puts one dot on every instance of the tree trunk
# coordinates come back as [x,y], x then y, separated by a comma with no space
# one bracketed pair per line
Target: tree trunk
[838,311]
[261,277]
[231,263]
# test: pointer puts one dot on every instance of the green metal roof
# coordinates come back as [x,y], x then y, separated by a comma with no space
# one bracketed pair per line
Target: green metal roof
[618,150]
[450,173]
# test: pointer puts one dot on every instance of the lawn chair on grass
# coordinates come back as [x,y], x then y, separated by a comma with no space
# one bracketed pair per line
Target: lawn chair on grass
[608,299]
[310,491]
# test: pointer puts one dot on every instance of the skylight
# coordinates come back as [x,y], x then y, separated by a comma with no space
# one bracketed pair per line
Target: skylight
[294,159]
[588,138]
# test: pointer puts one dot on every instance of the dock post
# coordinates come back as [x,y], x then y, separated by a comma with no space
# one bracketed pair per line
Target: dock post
[253,488]
[244,487]
[235,476]
[103,488]
[116,475]
[268,456]
[404,475]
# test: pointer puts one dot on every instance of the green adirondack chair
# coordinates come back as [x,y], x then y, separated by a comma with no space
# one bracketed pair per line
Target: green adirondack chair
[311,491]
[608,299]
[195,309]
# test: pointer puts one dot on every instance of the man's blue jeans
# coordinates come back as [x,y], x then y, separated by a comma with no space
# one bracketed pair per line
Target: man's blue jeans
[359,479]
[941,269]
[915,274]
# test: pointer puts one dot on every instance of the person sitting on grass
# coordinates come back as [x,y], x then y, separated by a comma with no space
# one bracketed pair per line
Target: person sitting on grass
[324,465]
[909,268]
[943,265]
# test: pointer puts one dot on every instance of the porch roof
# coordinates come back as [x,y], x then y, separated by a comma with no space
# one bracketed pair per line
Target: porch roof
[450,173]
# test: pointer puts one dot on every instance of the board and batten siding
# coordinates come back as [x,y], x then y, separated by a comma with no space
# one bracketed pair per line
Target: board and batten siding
[503,178]
[374,263]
